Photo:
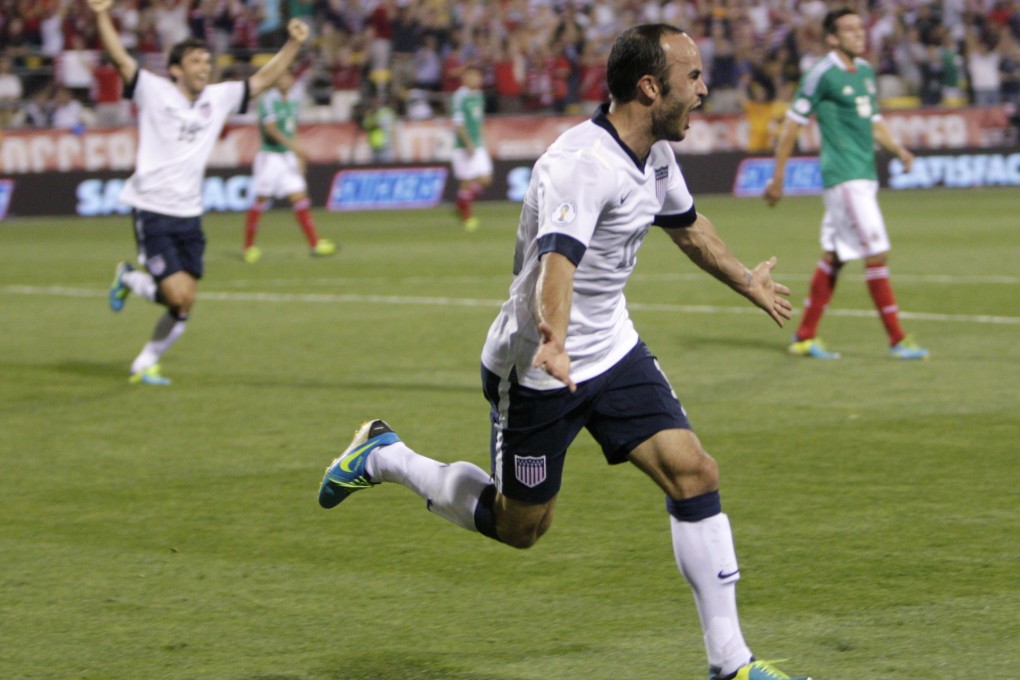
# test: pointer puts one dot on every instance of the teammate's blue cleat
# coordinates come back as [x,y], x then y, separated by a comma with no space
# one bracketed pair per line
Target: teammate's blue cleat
[812,348]
[118,291]
[346,474]
[908,349]
[756,670]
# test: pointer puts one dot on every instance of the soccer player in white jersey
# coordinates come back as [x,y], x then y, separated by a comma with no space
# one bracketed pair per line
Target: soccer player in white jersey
[840,91]
[563,354]
[180,118]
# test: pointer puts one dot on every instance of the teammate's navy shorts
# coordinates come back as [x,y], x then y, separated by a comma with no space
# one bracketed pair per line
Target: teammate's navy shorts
[167,244]
[531,429]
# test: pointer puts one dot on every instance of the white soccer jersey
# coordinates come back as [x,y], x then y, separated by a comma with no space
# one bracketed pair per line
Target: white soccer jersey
[175,139]
[593,201]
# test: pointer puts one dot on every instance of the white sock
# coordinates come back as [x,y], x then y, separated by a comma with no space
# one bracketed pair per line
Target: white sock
[450,490]
[141,284]
[706,557]
[167,330]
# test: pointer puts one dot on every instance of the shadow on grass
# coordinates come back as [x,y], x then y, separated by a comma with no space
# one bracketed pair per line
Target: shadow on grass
[391,666]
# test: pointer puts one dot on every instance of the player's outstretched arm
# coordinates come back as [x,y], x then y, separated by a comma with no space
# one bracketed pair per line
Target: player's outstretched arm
[553,297]
[124,62]
[702,244]
[263,79]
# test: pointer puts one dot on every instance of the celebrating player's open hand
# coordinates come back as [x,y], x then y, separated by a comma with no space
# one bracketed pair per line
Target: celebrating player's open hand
[552,357]
[768,294]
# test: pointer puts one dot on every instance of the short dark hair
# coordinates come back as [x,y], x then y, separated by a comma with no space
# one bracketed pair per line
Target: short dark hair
[833,16]
[178,51]
[637,52]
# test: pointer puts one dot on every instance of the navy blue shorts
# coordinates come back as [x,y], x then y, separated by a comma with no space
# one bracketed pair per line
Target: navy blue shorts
[531,429]
[167,244]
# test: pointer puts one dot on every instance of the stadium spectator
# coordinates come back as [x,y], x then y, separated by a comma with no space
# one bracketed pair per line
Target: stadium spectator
[853,228]
[111,109]
[428,65]
[67,113]
[39,108]
[378,123]
[1009,70]
[563,354]
[381,31]
[11,93]
[279,169]
[406,40]
[170,20]
[983,63]
[180,119]
[73,67]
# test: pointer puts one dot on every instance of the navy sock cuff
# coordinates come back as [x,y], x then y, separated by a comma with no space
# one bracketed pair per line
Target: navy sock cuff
[695,509]
[485,520]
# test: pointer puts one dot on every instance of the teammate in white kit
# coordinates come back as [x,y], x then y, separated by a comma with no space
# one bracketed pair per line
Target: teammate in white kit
[563,355]
[179,120]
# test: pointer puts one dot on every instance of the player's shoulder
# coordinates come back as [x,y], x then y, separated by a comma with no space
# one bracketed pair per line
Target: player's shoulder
[864,66]
[581,156]
[825,67]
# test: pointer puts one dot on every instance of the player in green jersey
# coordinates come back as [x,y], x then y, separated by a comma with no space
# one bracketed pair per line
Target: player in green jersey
[279,170]
[472,166]
[840,91]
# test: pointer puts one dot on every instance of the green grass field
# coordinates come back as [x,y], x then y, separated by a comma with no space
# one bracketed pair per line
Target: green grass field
[173,532]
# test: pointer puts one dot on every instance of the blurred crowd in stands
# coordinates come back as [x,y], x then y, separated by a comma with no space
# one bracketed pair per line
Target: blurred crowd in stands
[539,56]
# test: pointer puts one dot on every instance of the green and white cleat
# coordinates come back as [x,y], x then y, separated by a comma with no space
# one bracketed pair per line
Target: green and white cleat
[812,348]
[471,224]
[908,349]
[118,291]
[756,670]
[346,474]
[149,376]
[323,248]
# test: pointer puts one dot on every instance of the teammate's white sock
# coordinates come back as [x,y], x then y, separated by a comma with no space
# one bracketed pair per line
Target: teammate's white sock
[140,283]
[706,557]
[450,490]
[167,330]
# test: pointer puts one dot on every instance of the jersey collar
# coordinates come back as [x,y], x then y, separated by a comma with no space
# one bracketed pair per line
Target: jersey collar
[602,121]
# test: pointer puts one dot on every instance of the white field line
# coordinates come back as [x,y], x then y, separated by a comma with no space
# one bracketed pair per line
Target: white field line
[945,279]
[407,300]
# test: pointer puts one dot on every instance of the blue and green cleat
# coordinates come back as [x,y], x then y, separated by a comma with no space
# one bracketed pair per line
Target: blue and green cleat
[812,348]
[118,291]
[346,474]
[149,376]
[908,349]
[756,670]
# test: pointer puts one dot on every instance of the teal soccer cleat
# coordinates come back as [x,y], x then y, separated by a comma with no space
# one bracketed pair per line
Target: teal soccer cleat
[756,670]
[907,349]
[118,291]
[346,474]
[149,376]
[812,348]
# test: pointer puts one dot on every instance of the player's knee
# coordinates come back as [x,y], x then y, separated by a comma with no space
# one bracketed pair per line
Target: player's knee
[520,526]
[698,476]
[520,536]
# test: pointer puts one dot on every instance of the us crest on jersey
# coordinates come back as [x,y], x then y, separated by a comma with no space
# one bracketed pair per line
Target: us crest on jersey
[529,470]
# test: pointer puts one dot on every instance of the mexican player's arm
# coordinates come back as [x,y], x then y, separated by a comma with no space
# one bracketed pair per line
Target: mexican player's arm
[703,245]
[124,62]
[885,139]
